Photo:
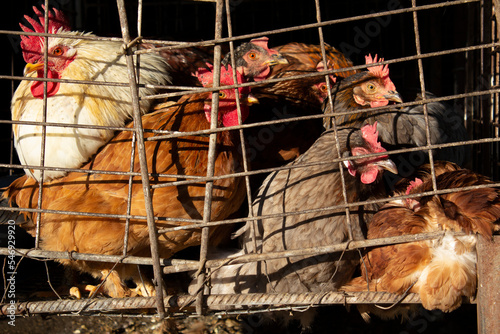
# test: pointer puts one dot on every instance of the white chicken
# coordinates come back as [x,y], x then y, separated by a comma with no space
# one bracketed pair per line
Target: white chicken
[74,103]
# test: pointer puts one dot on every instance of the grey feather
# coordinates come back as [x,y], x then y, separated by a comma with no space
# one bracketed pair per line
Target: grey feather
[293,190]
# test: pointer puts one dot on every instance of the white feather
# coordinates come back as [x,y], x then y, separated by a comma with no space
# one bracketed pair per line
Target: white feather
[69,147]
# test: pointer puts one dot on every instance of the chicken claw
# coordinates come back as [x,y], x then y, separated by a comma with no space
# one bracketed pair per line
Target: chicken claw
[75,292]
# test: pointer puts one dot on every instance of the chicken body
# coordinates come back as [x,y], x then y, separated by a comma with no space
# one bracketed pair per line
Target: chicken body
[277,144]
[75,103]
[311,183]
[314,186]
[405,127]
[302,59]
[168,161]
[400,127]
[442,271]
[253,59]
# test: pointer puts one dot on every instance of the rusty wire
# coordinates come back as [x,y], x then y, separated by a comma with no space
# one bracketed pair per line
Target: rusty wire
[170,266]
[179,265]
[148,197]
[214,302]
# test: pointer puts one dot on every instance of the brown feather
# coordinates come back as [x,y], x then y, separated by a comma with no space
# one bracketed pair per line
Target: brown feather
[442,271]
[107,193]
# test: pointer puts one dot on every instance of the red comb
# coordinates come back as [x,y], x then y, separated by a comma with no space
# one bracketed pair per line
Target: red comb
[413,184]
[205,75]
[380,71]
[262,42]
[31,45]
[370,135]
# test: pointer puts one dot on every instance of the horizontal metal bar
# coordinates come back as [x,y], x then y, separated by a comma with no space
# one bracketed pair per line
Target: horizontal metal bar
[182,265]
[254,301]
[198,223]
[310,26]
[184,90]
[53,255]
[177,134]
[191,179]
[326,209]
[312,251]
[214,302]
[333,71]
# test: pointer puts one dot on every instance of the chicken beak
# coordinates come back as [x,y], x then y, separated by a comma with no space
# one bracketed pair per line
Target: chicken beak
[251,100]
[30,68]
[388,165]
[276,59]
[393,95]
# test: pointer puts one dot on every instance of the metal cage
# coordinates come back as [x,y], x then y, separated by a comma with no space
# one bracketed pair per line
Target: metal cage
[448,48]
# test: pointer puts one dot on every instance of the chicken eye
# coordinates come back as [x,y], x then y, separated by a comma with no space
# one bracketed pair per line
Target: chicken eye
[371,87]
[58,51]
[252,55]
[222,95]
[323,87]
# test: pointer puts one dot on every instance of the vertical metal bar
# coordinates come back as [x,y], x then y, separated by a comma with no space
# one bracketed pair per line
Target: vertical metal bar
[422,90]
[134,140]
[241,133]
[139,18]
[488,285]
[129,194]
[470,75]
[341,169]
[488,265]
[207,209]
[12,90]
[153,233]
[44,119]
[495,34]
[485,83]
[495,67]
[496,4]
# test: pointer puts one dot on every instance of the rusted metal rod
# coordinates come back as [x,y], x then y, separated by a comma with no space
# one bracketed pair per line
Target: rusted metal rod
[153,234]
[212,151]
[214,302]
[312,251]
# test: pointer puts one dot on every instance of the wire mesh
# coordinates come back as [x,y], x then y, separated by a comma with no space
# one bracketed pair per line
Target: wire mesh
[478,99]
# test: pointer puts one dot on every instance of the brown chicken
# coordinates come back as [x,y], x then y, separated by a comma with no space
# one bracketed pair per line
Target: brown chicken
[400,127]
[302,59]
[367,89]
[442,271]
[168,161]
[252,59]
[275,145]
[255,60]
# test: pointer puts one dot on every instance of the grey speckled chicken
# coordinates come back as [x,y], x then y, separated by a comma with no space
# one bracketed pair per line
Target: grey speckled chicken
[314,184]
